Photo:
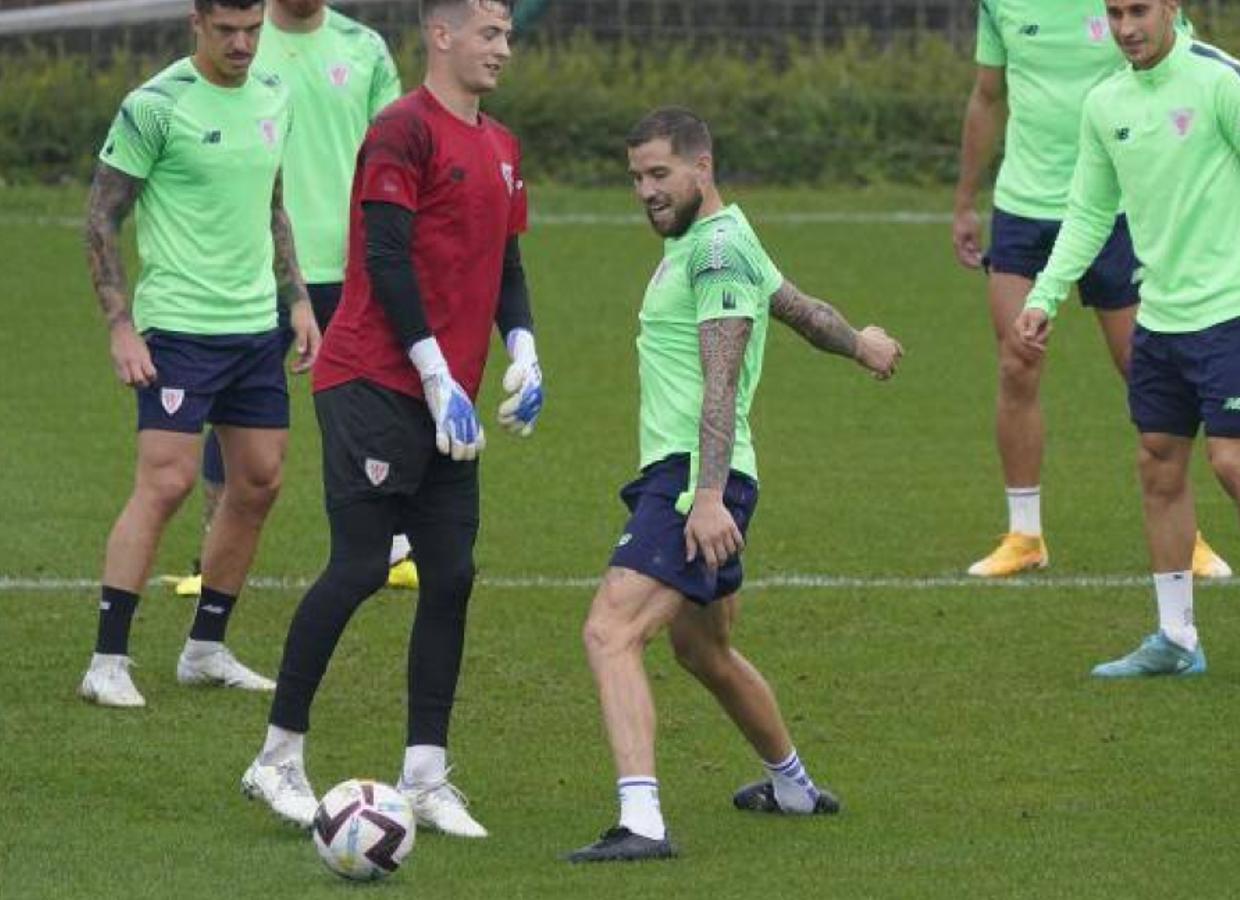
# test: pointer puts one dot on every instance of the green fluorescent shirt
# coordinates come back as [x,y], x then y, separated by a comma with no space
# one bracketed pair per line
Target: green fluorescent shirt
[208,157]
[340,75]
[1053,54]
[1164,142]
[717,270]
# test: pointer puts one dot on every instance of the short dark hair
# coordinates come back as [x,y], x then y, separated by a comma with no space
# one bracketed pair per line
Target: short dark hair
[205,6]
[428,7]
[684,129]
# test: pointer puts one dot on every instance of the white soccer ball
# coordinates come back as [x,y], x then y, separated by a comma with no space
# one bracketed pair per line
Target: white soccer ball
[363,830]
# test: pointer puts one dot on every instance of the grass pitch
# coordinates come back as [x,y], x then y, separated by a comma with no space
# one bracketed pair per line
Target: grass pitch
[956,721]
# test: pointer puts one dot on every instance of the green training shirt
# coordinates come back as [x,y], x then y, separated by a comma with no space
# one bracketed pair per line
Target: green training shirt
[208,157]
[1165,143]
[340,75]
[1053,54]
[717,270]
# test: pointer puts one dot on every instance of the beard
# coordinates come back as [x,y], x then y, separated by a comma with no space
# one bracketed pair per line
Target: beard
[683,217]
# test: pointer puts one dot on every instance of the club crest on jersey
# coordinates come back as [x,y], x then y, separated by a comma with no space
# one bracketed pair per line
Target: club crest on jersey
[339,74]
[1182,121]
[509,174]
[377,471]
[171,399]
[1097,28]
[267,128]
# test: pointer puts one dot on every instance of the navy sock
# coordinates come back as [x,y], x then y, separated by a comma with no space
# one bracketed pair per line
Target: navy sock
[116,609]
[211,619]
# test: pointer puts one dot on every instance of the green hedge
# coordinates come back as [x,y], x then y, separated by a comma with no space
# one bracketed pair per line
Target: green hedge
[854,113]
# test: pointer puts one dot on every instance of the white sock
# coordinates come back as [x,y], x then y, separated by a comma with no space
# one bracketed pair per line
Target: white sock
[424,764]
[1025,510]
[282,745]
[1175,607]
[639,807]
[201,648]
[400,549]
[794,789]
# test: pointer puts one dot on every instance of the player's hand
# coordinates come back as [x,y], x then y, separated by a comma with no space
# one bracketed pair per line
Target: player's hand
[131,358]
[306,337]
[967,238]
[711,532]
[878,352]
[458,433]
[523,384]
[1032,330]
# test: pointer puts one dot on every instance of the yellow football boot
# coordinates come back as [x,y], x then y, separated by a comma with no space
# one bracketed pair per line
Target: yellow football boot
[1207,563]
[1016,553]
[403,575]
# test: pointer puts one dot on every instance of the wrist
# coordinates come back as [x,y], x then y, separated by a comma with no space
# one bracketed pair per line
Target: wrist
[966,202]
[428,358]
[520,345]
[121,319]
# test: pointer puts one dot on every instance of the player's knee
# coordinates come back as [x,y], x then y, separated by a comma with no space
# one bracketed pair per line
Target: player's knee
[705,659]
[1162,473]
[356,576]
[1019,374]
[1226,466]
[606,636]
[254,492]
[165,487]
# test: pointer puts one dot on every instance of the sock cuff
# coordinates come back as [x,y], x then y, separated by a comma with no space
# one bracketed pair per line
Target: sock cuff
[117,595]
[638,781]
[784,766]
[211,595]
[1171,577]
[1024,491]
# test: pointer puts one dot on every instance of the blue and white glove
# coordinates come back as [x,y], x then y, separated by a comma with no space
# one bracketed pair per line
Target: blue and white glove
[458,433]
[523,382]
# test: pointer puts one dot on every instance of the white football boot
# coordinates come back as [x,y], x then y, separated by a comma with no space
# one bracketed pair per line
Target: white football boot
[284,787]
[107,682]
[211,663]
[440,806]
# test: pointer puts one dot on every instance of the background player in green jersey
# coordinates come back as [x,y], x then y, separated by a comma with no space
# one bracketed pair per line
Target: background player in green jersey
[1036,62]
[703,330]
[340,75]
[1161,139]
[198,149]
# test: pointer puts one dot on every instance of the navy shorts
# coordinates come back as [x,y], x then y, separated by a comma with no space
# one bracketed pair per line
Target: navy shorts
[222,379]
[1178,381]
[1021,246]
[653,541]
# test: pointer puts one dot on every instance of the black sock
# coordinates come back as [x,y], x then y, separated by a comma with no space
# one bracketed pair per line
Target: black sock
[116,608]
[211,619]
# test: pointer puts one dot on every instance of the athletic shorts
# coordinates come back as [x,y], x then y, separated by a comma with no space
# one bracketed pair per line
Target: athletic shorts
[222,379]
[378,442]
[1021,246]
[324,298]
[212,455]
[1177,381]
[653,541]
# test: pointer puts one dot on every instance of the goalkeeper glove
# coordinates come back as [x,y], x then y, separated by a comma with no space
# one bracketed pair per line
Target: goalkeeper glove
[523,382]
[458,433]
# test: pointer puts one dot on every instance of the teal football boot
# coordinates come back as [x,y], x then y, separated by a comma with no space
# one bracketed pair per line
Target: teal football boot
[1157,655]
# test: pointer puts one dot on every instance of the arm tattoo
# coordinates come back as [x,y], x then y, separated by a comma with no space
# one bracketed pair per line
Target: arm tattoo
[290,288]
[816,321]
[112,196]
[721,343]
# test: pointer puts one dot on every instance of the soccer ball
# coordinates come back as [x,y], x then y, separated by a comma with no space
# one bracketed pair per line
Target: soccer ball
[363,829]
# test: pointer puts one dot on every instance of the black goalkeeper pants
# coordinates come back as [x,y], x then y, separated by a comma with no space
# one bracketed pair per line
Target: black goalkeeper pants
[372,435]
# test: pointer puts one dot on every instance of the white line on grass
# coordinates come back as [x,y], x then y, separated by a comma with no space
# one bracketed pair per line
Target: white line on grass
[825,217]
[790,581]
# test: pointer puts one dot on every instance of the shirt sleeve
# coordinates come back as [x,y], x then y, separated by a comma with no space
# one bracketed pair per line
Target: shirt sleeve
[138,134]
[392,161]
[1227,107]
[384,80]
[519,208]
[726,282]
[1093,204]
[990,49]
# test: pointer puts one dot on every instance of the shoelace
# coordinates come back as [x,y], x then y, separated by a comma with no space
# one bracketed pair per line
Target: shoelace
[432,788]
[291,775]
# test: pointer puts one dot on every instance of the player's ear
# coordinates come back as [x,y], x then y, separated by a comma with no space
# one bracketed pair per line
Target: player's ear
[704,168]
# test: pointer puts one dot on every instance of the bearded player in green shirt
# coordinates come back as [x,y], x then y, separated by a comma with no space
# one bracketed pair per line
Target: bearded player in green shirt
[1161,139]
[340,75]
[197,149]
[677,564]
[1036,62]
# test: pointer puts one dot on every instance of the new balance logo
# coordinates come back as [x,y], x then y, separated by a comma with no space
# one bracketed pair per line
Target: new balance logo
[1030,30]
[624,539]
[729,300]
[212,137]
[1231,404]
[1122,134]
[214,610]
